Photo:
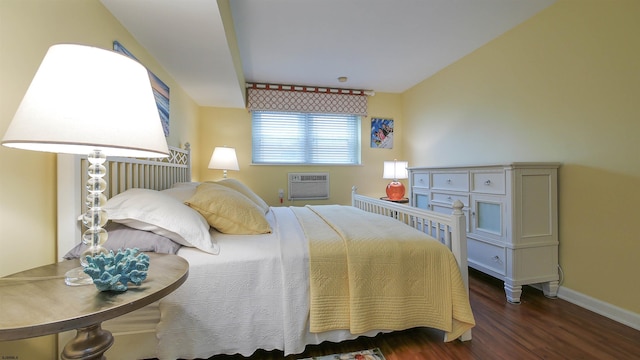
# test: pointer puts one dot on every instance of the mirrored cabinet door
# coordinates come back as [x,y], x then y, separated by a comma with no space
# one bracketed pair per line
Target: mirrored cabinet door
[488,217]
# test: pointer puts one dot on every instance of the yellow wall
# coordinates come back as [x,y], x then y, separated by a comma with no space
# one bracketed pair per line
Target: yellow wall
[232,127]
[564,86]
[28,179]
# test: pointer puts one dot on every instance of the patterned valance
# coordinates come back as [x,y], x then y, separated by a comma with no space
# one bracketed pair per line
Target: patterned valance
[306,99]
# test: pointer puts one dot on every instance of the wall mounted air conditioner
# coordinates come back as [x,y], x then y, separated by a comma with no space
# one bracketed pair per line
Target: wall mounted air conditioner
[308,186]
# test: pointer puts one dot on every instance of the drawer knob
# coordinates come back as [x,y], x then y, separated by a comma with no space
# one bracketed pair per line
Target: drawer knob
[448,181]
[496,259]
[488,182]
[449,198]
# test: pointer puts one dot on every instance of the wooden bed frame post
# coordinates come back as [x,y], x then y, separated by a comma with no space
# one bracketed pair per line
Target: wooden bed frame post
[459,240]
[459,249]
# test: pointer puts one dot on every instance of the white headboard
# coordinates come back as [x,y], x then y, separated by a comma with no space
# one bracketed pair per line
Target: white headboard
[122,174]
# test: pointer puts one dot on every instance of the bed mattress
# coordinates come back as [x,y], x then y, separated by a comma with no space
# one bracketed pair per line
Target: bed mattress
[253,295]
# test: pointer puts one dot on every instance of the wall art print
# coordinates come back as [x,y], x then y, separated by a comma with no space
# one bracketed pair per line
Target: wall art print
[160,90]
[382,133]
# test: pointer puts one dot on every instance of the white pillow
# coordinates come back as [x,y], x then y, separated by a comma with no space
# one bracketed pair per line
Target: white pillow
[181,191]
[151,210]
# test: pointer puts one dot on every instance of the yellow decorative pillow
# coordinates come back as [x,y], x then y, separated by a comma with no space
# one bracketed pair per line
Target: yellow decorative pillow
[229,211]
[244,190]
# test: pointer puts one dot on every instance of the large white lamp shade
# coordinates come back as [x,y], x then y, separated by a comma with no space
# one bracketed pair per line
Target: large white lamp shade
[84,98]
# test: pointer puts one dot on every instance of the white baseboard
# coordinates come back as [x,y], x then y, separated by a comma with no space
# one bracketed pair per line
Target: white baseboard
[612,312]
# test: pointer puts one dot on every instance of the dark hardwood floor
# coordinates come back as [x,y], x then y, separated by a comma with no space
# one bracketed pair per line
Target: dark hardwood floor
[538,328]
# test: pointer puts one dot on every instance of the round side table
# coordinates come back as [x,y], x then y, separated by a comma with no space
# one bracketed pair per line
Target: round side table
[37,302]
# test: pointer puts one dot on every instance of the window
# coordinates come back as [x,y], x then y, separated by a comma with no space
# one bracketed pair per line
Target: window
[303,138]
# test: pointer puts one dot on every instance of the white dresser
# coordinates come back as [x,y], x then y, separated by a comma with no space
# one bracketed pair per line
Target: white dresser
[512,218]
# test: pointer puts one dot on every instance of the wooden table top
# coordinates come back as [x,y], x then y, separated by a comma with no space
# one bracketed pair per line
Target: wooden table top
[37,302]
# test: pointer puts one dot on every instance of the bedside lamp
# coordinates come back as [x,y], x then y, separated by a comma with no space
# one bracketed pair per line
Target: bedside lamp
[395,170]
[224,158]
[95,102]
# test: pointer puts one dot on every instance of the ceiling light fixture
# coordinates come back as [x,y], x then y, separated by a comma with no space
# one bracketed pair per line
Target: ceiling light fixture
[342,79]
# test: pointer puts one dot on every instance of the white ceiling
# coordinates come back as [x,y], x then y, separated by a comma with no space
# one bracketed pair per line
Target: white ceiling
[380,45]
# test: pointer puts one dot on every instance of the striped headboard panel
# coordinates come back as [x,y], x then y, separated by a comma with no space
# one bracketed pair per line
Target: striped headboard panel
[122,174]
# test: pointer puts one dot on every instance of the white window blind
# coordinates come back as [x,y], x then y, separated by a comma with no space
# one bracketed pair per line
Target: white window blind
[305,138]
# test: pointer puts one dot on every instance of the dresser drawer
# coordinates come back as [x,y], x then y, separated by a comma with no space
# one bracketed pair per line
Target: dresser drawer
[487,255]
[420,180]
[449,198]
[457,181]
[488,182]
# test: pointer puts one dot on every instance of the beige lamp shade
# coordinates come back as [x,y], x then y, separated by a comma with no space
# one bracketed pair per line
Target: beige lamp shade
[395,170]
[224,158]
[84,98]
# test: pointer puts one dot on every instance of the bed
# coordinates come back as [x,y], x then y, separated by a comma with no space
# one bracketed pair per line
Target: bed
[295,282]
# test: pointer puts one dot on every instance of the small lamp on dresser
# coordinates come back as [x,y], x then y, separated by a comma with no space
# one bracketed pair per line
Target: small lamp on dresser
[395,170]
[89,101]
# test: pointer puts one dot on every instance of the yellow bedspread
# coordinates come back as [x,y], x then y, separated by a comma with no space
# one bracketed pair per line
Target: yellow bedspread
[369,271]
